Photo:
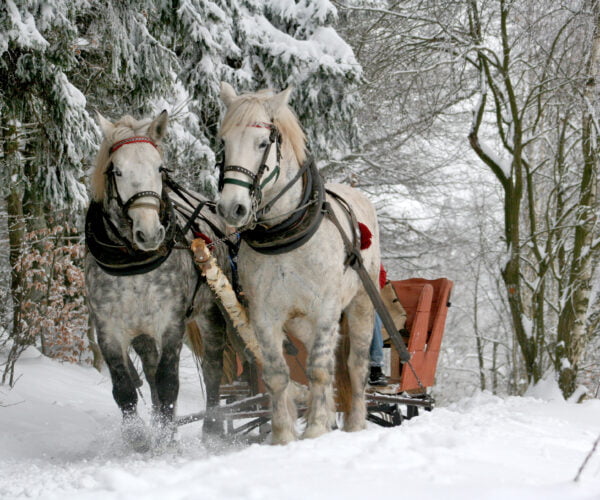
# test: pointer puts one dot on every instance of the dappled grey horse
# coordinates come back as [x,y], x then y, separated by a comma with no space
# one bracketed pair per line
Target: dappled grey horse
[142,284]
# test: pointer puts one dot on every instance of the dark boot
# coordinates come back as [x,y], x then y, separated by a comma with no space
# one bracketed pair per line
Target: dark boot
[376,377]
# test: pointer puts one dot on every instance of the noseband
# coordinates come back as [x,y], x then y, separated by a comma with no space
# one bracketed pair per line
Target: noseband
[113,190]
[257,183]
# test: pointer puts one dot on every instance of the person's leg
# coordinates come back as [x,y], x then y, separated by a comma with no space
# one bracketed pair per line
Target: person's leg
[376,376]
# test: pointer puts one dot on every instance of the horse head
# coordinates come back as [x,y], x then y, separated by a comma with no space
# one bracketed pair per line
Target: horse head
[258,130]
[128,178]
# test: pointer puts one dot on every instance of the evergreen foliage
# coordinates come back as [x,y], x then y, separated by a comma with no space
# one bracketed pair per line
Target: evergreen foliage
[61,59]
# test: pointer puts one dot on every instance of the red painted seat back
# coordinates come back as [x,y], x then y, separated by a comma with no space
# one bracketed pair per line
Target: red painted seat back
[426,303]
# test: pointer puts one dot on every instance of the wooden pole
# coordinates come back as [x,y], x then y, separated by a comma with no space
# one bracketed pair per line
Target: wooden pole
[219,284]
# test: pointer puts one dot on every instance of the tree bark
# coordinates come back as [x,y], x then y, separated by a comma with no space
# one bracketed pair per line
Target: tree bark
[572,325]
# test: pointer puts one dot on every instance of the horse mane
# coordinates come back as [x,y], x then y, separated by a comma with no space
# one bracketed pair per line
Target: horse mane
[125,127]
[244,110]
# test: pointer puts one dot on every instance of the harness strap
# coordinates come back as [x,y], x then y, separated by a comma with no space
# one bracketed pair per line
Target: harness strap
[354,259]
[255,187]
[134,203]
[114,253]
[268,206]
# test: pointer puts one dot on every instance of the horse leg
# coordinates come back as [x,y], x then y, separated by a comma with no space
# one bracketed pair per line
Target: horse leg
[124,391]
[276,375]
[145,347]
[167,377]
[213,329]
[320,371]
[361,317]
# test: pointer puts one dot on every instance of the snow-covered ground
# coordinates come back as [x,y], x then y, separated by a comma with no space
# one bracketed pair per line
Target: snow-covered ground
[60,438]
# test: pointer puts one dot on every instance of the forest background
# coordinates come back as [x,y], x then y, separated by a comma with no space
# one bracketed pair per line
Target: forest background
[472,124]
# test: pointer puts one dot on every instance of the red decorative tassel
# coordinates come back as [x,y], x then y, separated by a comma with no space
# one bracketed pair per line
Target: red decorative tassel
[206,239]
[365,236]
[382,276]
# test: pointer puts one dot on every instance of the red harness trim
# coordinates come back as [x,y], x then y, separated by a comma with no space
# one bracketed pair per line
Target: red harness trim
[266,125]
[206,239]
[131,140]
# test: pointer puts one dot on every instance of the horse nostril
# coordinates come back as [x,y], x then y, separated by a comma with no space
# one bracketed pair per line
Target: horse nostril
[161,234]
[139,235]
[240,211]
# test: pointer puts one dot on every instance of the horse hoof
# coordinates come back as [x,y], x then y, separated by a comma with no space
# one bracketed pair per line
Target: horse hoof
[312,432]
[283,438]
[355,426]
[212,428]
[164,433]
[135,434]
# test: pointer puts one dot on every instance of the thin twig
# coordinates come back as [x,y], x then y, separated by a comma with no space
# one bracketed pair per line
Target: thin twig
[6,405]
[587,459]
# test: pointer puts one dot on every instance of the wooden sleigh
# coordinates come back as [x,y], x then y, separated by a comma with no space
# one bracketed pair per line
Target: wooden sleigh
[245,404]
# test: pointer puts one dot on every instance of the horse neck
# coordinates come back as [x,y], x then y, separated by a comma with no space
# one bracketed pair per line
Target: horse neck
[285,205]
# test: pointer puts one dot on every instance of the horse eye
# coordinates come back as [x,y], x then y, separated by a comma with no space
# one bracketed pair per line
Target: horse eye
[263,144]
[117,172]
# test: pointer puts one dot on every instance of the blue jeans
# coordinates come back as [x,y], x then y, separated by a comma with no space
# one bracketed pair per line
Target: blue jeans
[376,349]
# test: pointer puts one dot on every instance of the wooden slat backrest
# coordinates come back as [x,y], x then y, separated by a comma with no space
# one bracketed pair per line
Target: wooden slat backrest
[426,326]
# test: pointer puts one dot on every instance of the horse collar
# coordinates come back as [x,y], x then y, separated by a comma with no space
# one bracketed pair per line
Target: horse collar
[114,254]
[300,226]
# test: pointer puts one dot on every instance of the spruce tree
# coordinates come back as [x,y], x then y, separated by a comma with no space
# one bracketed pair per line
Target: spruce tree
[62,59]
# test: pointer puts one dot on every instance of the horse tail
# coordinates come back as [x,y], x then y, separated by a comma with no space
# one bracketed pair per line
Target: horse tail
[342,375]
[194,340]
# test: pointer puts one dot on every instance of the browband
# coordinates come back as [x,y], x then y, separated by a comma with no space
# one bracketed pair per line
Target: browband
[131,140]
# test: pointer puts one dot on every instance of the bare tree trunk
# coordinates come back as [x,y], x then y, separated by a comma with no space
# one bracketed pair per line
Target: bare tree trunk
[478,339]
[572,325]
[23,216]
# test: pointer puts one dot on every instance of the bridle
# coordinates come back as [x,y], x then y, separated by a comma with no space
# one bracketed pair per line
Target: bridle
[134,200]
[257,183]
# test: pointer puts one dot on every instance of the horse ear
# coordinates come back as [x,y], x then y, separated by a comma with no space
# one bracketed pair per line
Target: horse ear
[228,94]
[106,126]
[158,128]
[278,101]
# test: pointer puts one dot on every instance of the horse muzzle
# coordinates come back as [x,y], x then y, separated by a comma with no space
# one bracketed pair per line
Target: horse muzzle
[234,214]
[147,231]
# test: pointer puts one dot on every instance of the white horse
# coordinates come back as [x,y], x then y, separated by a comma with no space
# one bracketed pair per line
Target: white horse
[293,262]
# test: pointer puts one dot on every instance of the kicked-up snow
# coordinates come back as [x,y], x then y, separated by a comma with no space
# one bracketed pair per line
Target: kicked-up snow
[60,439]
